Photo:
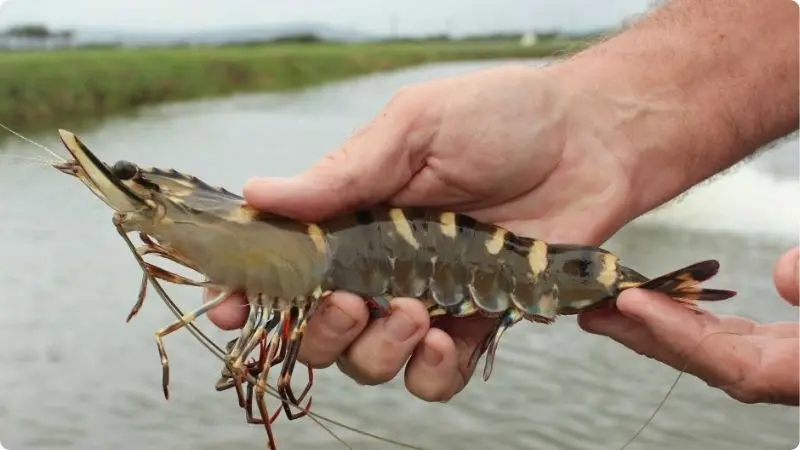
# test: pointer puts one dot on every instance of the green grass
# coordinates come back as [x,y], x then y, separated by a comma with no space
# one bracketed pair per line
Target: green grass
[42,87]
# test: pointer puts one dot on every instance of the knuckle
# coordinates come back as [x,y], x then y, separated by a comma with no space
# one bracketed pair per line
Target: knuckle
[375,373]
[369,373]
[743,396]
[742,384]
[380,373]
[314,355]
[408,100]
[437,386]
[320,363]
[432,393]
[403,95]
[352,371]
[317,359]
[744,393]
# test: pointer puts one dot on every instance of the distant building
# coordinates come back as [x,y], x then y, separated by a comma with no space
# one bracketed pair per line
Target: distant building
[15,40]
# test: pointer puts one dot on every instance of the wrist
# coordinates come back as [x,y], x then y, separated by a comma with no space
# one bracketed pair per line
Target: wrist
[681,97]
[649,128]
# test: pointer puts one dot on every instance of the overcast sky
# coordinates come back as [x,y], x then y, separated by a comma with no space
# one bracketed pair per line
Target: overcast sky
[373,16]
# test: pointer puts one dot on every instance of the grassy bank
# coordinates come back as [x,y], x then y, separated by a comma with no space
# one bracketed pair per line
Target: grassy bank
[49,86]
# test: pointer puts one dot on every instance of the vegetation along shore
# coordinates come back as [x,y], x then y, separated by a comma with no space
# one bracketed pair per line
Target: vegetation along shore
[43,86]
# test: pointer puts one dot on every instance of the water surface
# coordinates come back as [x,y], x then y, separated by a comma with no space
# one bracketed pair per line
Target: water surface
[75,376]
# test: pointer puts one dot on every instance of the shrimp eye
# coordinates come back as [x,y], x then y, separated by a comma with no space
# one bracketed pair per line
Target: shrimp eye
[124,170]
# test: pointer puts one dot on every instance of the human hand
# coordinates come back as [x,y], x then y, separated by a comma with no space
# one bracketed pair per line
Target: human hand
[751,362]
[509,146]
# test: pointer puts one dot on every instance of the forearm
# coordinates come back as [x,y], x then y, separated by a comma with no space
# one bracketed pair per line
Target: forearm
[691,89]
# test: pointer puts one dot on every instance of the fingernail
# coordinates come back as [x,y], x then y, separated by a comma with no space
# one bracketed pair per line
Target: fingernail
[430,357]
[399,327]
[337,320]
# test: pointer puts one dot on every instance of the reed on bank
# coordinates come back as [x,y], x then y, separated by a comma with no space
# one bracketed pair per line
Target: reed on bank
[45,86]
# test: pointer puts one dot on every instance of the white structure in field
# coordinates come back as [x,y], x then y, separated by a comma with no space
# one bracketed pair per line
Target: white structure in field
[527,40]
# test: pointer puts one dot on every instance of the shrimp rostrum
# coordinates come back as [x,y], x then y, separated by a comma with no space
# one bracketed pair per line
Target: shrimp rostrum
[454,264]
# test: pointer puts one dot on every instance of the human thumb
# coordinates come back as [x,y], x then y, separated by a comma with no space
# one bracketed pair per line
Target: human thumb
[368,169]
[647,322]
[666,319]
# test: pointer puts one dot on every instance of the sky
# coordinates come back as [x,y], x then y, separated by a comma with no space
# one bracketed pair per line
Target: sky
[414,17]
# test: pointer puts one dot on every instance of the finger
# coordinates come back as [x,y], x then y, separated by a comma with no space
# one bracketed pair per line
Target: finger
[787,276]
[337,322]
[369,168]
[439,368]
[630,326]
[619,327]
[228,315]
[432,372]
[685,340]
[776,329]
[386,344]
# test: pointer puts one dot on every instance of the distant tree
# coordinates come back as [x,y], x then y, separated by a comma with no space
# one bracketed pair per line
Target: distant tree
[300,38]
[29,31]
[35,36]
